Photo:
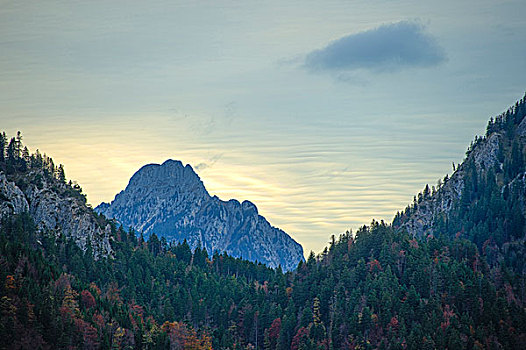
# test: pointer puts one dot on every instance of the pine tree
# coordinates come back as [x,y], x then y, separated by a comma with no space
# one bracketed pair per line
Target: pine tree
[61,175]
[11,154]
[3,145]
[18,145]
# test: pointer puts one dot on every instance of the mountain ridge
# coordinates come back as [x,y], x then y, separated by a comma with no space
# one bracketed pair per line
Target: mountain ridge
[484,198]
[170,200]
[55,206]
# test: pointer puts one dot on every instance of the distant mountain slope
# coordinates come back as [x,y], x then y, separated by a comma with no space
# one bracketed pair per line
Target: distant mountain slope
[171,201]
[484,199]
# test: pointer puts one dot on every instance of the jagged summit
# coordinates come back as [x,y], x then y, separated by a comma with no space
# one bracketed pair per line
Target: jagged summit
[172,176]
[171,201]
[172,173]
[170,169]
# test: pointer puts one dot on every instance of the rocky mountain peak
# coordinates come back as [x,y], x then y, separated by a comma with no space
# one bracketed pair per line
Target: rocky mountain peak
[172,173]
[249,207]
[171,201]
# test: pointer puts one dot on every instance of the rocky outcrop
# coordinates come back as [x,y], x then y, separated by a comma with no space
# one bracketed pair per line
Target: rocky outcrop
[517,186]
[12,199]
[171,201]
[420,221]
[485,155]
[492,152]
[57,208]
[521,129]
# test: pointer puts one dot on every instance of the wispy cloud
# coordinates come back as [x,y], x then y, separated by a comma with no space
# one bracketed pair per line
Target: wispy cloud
[210,163]
[390,47]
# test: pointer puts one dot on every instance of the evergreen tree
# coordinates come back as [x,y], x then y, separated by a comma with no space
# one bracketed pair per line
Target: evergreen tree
[3,146]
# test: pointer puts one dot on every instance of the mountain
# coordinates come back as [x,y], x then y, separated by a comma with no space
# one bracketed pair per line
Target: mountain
[431,205]
[31,185]
[484,199]
[171,201]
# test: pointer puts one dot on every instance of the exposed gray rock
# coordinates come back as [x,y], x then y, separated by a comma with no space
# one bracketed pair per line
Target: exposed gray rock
[518,185]
[521,129]
[484,155]
[54,210]
[12,199]
[421,220]
[171,201]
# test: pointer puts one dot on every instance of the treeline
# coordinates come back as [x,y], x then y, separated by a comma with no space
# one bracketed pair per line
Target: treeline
[23,167]
[375,289]
[15,157]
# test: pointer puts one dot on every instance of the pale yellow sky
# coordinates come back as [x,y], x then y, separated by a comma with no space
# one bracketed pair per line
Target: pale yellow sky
[308,185]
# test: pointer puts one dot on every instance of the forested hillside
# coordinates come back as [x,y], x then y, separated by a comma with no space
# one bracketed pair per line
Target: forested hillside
[379,289]
[484,199]
[453,277]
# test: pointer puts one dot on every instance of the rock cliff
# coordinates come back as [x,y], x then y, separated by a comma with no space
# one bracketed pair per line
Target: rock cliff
[171,201]
[55,207]
[496,159]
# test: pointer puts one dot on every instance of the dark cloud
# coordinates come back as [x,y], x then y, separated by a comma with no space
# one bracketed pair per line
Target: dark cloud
[390,47]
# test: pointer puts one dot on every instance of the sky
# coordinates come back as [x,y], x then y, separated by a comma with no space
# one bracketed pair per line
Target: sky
[325,114]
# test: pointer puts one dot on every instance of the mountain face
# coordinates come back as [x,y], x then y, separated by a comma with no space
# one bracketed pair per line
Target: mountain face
[484,199]
[171,201]
[429,206]
[55,207]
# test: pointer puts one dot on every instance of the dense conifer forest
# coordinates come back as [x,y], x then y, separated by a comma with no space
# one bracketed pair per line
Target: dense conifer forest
[462,287]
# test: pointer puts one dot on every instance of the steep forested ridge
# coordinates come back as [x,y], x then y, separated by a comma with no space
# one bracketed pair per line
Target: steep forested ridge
[484,199]
[449,273]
